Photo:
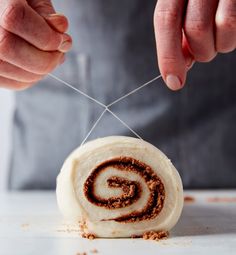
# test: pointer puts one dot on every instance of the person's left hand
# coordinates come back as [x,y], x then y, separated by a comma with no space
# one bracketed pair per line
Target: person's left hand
[193,30]
[33,42]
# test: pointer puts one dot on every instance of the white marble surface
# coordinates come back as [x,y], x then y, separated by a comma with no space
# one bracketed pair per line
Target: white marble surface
[30,224]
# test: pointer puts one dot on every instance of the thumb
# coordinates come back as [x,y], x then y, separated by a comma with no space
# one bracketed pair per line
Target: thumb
[45,8]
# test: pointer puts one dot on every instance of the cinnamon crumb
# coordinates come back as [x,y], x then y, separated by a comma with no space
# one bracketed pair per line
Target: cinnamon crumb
[189,199]
[152,185]
[156,236]
[94,251]
[82,225]
[88,236]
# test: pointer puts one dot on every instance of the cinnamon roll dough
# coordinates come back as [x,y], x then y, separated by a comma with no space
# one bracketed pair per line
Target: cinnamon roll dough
[120,187]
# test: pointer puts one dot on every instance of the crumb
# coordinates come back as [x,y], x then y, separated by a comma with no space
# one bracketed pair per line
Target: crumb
[94,251]
[81,253]
[222,200]
[189,199]
[153,235]
[89,236]
[82,225]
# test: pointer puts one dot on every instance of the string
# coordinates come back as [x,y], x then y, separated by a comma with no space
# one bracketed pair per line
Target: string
[91,130]
[77,90]
[124,123]
[134,91]
[106,106]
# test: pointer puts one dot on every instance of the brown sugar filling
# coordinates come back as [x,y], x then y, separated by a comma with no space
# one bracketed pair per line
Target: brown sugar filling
[132,189]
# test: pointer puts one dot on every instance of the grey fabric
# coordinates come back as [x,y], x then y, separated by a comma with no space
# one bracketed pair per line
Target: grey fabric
[114,52]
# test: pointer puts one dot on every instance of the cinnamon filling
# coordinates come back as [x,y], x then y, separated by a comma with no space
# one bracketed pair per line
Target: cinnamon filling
[131,189]
[156,236]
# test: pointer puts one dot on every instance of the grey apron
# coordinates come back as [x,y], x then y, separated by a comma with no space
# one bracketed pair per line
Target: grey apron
[113,53]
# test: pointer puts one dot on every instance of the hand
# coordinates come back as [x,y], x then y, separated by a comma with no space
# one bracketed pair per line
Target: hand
[32,41]
[193,30]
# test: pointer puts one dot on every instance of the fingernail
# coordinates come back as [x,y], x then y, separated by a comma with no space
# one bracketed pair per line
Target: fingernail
[66,43]
[56,15]
[58,22]
[173,82]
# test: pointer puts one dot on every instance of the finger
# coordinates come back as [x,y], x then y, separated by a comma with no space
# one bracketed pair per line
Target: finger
[226,26]
[13,72]
[18,52]
[13,84]
[168,32]
[58,22]
[199,28]
[19,18]
[43,7]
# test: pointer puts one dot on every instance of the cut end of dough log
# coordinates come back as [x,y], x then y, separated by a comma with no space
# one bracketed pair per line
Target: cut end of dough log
[120,187]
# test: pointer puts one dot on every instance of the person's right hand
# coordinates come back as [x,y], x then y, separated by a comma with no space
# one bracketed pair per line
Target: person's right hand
[189,31]
[32,41]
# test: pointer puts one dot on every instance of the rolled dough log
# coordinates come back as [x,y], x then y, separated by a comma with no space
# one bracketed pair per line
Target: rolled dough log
[120,187]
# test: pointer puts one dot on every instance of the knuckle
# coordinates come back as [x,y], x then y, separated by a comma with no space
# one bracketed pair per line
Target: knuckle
[165,17]
[172,65]
[51,42]
[169,60]
[5,41]
[197,27]
[47,66]
[44,68]
[225,48]
[13,14]
[43,5]
[2,63]
[227,22]
[207,57]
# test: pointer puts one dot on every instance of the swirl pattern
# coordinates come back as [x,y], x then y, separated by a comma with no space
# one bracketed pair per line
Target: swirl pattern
[131,189]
